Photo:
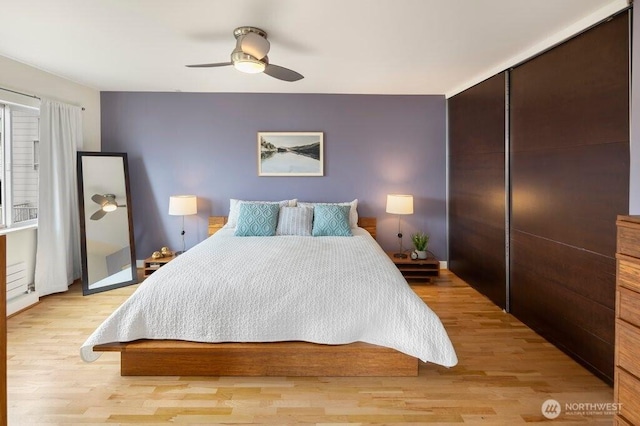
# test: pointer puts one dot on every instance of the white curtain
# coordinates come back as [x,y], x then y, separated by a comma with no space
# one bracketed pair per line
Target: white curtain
[58,261]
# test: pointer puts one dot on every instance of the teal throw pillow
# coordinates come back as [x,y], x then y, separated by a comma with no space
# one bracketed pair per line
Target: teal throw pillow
[257,220]
[331,220]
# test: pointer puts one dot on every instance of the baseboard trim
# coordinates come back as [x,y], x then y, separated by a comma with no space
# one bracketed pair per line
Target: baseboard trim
[21,303]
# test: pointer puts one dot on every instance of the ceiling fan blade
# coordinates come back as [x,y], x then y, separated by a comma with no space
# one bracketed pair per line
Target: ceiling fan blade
[218,64]
[100,199]
[282,73]
[99,214]
[254,44]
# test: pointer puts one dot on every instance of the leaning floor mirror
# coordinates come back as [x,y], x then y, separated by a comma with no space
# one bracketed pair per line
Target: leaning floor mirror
[106,223]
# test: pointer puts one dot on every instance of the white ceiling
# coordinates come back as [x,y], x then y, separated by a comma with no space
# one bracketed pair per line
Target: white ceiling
[340,46]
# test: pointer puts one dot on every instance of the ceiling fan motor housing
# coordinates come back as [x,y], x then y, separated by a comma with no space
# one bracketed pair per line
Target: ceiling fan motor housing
[240,31]
[252,41]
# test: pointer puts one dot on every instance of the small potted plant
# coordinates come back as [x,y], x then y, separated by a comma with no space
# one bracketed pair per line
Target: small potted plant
[420,242]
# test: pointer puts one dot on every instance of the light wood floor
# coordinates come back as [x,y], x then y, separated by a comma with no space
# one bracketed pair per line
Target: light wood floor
[505,373]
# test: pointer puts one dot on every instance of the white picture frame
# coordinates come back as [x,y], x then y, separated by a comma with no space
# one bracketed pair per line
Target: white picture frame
[290,154]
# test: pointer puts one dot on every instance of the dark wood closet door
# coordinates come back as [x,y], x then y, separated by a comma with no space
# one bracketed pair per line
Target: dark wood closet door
[569,111]
[477,187]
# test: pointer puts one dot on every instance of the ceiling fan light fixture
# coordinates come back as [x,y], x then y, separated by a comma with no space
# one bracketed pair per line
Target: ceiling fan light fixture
[109,206]
[249,66]
[246,63]
[250,56]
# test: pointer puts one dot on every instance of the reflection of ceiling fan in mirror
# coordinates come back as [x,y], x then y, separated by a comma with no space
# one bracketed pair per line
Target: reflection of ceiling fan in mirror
[107,204]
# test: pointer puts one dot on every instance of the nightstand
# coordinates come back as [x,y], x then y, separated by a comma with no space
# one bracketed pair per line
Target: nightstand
[417,271]
[151,265]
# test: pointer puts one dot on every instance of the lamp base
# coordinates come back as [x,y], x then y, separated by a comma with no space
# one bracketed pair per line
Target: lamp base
[400,255]
[177,253]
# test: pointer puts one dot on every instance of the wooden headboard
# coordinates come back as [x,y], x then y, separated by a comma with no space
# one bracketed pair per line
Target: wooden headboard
[368,223]
[216,223]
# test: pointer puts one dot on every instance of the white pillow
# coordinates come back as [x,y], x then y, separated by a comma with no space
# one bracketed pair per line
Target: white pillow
[295,221]
[234,209]
[353,212]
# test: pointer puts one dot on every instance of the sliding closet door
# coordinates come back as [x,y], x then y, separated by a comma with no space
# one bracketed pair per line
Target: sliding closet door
[477,187]
[570,178]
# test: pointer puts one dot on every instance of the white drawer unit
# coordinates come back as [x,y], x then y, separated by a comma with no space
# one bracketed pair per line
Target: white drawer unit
[17,280]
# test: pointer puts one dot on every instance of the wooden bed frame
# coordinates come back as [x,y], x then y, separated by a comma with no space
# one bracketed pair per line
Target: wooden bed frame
[180,358]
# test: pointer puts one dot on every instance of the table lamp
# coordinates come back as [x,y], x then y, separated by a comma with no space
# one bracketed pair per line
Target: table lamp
[182,205]
[400,204]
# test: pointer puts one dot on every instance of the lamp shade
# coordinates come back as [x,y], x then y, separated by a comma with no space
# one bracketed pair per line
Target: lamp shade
[183,205]
[399,204]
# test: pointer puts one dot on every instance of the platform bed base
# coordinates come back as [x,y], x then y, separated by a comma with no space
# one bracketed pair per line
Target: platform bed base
[177,358]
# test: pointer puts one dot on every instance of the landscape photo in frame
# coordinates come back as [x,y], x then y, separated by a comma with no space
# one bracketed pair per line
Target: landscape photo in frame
[290,154]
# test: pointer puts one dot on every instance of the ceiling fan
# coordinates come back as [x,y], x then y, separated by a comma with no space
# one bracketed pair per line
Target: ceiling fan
[250,56]
[107,204]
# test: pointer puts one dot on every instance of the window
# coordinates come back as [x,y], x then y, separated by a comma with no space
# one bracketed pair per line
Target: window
[19,156]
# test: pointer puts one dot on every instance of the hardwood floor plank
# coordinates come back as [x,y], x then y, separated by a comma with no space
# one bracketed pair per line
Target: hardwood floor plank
[505,373]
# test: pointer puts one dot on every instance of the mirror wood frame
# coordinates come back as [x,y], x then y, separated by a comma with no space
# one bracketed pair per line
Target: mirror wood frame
[86,290]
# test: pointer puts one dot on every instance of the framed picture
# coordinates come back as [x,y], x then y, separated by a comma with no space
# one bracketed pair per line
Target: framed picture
[290,154]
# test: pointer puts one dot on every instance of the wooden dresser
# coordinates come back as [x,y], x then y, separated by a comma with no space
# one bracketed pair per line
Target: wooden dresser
[627,349]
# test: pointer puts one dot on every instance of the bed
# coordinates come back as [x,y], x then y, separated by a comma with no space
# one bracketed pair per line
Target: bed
[312,340]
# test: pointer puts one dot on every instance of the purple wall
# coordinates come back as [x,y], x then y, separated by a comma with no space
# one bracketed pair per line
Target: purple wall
[205,144]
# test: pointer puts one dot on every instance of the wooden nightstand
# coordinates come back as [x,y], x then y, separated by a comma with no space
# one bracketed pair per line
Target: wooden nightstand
[417,271]
[151,265]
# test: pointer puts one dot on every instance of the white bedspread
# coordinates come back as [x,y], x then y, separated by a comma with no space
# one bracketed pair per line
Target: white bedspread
[330,290]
